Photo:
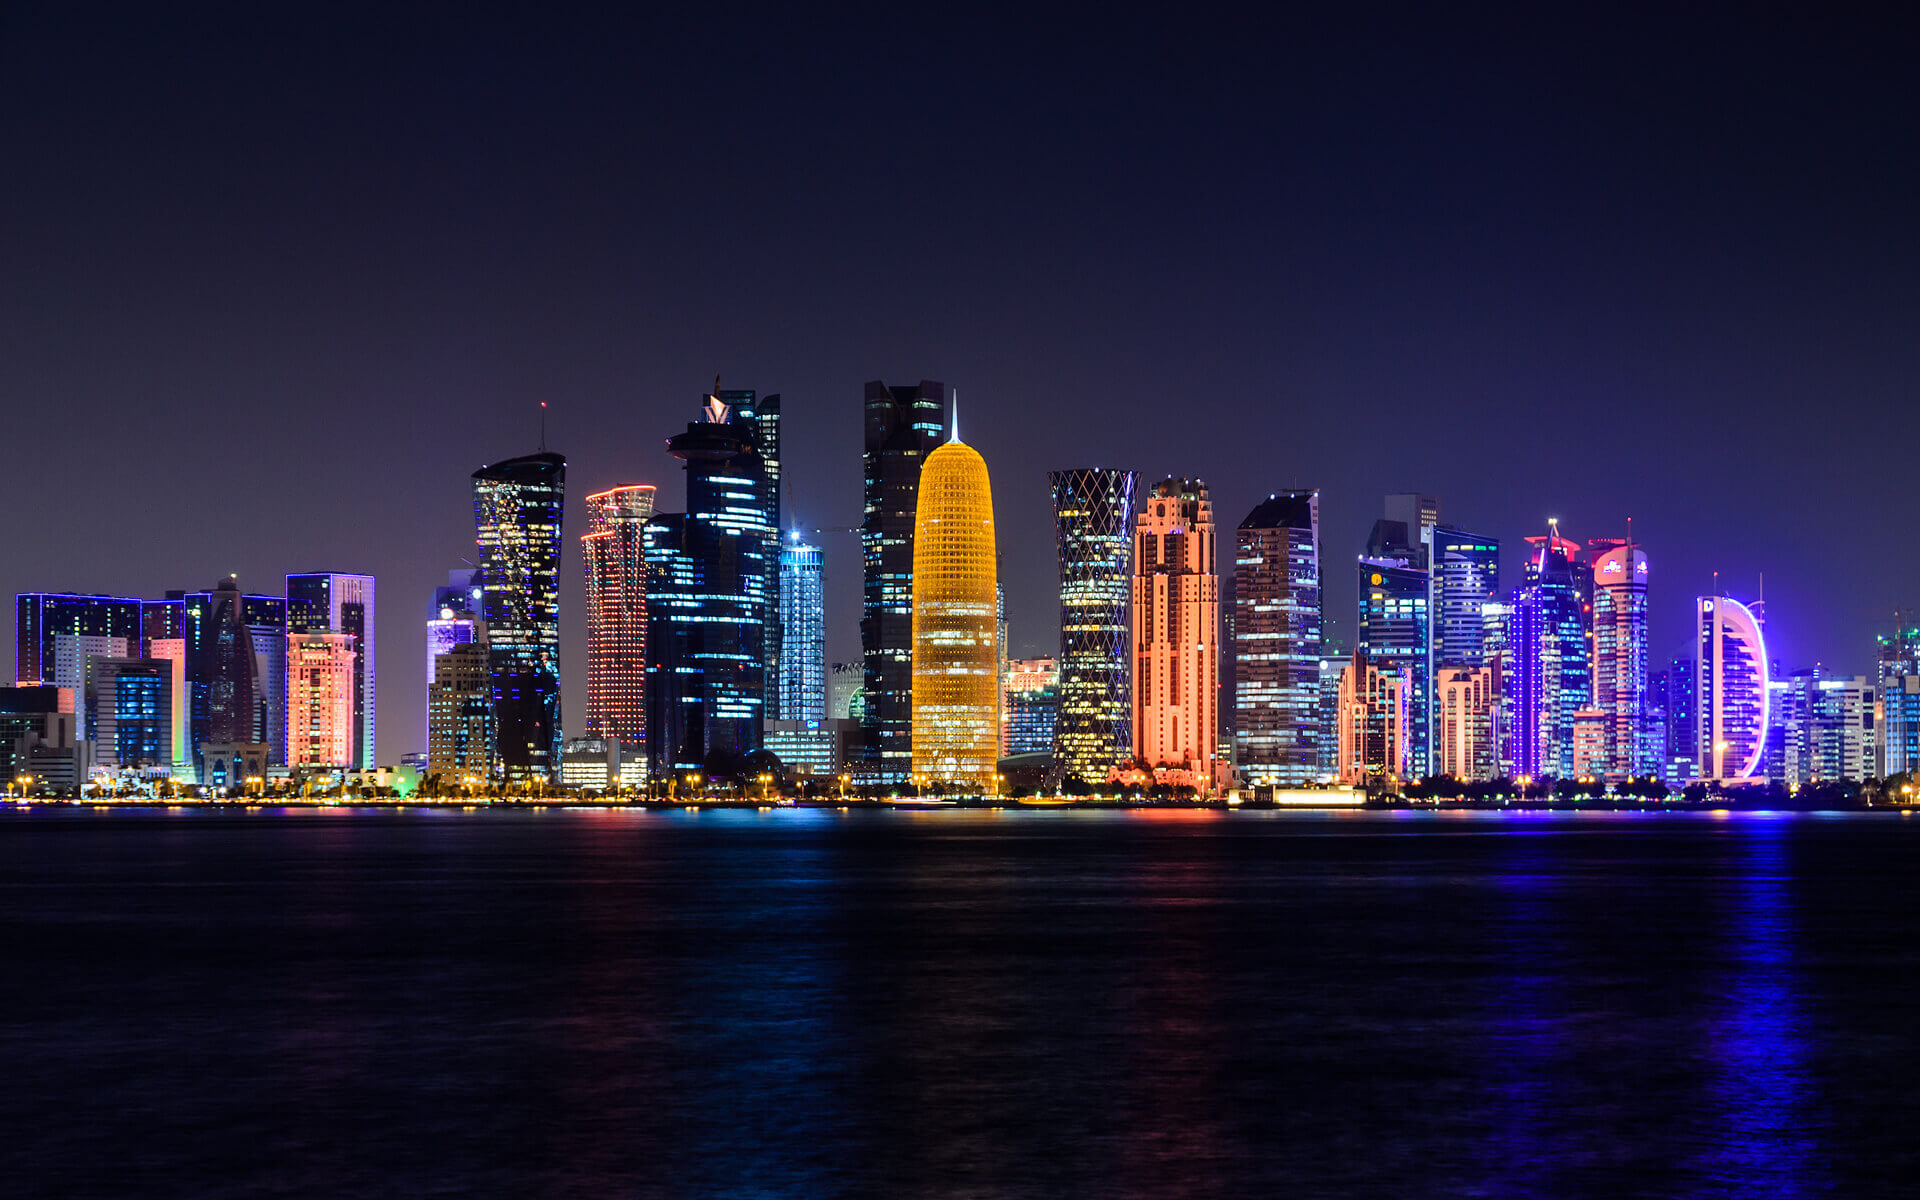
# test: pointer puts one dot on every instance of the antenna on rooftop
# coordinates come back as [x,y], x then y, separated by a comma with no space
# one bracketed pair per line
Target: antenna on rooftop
[543,427]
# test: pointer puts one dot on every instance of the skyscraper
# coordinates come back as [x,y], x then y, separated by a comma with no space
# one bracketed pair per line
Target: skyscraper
[1897,678]
[1731,689]
[1620,658]
[1465,718]
[1093,511]
[321,678]
[1466,577]
[454,619]
[616,570]
[1176,622]
[39,616]
[1277,622]
[803,633]
[460,740]
[333,603]
[518,505]
[130,709]
[1373,723]
[706,605]
[1395,630]
[236,669]
[761,415]
[1552,654]
[1032,705]
[1828,729]
[956,702]
[903,426]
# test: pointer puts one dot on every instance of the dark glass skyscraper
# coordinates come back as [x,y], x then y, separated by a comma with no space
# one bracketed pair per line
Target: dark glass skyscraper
[762,415]
[903,426]
[518,506]
[41,616]
[332,603]
[1395,630]
[1466,576]
[1277,650]
[236,670]
[1093,515]
[707,573]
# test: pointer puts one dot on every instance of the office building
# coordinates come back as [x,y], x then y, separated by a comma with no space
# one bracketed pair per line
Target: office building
[802,687]
[1395,631]
[1897,685]
[1176,622]
[460,715]
[1548,631]
[40,750]
[1465,579]
[336,603]
[236,669]
[706,608]
[903,426]
[518,505]
[1093,511]
[956,702]
[130,708]
[39,617]
[616,603]
[1731,690]
[1466,720]
[1277,651]
[322,682]
[454,617]
[1620,660]
[1032,705]
[761,415]
[1826,730]
[1372,723]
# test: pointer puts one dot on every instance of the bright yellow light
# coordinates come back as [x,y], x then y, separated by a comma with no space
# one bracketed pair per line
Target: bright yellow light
[955,658]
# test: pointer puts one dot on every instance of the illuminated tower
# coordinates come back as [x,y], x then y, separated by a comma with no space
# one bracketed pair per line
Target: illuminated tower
[321,729]
[1897,676]
[1731,692]
[956,703]
[903,426]
[617,612]
[761,415]
[1552,655]
[332,603]
[1466,577]
[1395,631]
[1093,521]
[802,683]
[1620,659]
[517,509]
[1283,732]
[1176,618]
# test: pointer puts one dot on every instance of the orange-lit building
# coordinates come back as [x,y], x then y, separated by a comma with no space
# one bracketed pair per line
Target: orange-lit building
[956,702]
[1176,649]
[617,612]
[1373,722]
[320,699]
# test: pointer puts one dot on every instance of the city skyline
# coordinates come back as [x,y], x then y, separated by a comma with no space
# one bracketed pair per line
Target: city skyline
[1424,291]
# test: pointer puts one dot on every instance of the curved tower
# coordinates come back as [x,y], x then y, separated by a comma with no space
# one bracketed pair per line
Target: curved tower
[517,509]
[956,727]
[1093,516]
[1732,690]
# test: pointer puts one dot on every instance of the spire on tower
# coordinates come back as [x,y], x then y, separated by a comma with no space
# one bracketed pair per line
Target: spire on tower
[953,423]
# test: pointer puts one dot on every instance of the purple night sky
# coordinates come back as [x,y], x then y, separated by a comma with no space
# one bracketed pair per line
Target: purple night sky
[273,283]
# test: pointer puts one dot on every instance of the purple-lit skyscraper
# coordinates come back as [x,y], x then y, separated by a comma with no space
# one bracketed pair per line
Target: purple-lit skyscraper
[1731,689]
[1620,658]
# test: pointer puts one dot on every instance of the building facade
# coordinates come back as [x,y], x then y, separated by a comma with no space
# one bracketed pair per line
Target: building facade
[518,506]
[1620,660]
[334,603]
[956,702]
[903,426]
[1548,632]
[1176,626]
[1897,682]
[1466,578]
[321,676]
[1466,722]
[1277,651]
[616,603]
[1394,630]
[1032,705]
[460,742]
[1093,514]
[1373,729]
[802,687]
[1731,690]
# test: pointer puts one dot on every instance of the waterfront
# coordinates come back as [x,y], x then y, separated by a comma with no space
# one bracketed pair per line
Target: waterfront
[810,1002]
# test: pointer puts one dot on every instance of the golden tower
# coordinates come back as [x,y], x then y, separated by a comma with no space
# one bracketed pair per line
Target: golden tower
[956,690]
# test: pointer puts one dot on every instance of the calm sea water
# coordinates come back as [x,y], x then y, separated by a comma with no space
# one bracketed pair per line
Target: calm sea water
[957,1004]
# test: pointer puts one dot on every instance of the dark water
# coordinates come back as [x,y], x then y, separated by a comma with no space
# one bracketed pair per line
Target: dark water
[904,1005]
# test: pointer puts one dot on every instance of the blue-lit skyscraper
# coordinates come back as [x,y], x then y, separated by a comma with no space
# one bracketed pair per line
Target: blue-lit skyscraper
[40,617]
[1280,725]
[1897,677]
[1395,631]
[518,506]
[1466,577]
[803,633]
[706,600]
[1552,653]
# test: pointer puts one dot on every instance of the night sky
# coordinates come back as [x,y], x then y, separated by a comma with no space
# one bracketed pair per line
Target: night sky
[273,284]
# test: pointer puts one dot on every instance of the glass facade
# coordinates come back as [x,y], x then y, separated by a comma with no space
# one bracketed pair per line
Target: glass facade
[1032,705]
[1466,577]
[518,506]
[803,633]
[956,659]
[1395,631]
[1632,740]
[1897,676]
[903,426]
[1279,718]
[1552,654]
[1093,510]
[38,616]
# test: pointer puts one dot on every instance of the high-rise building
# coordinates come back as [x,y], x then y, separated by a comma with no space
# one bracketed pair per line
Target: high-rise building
[844,681]
[761,415]
[1827,729]
[454,618]
[130,708]
[1897,680]
[1176,623]
[1731,690]
[518,505]
[616,568]
[803,633]
[903,426]
[1093,511]
[1373,727]
[321,678]
[236,669]
[1620,659]
[1466,578]
[1279,721]
[1552,652]
[706,605]
[1032,705]
[1395,630]
[41,616]
[1496,651]
[956,702]
[1466,718]
[335,603]
[460,714]
[74,657]
[1679,729]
